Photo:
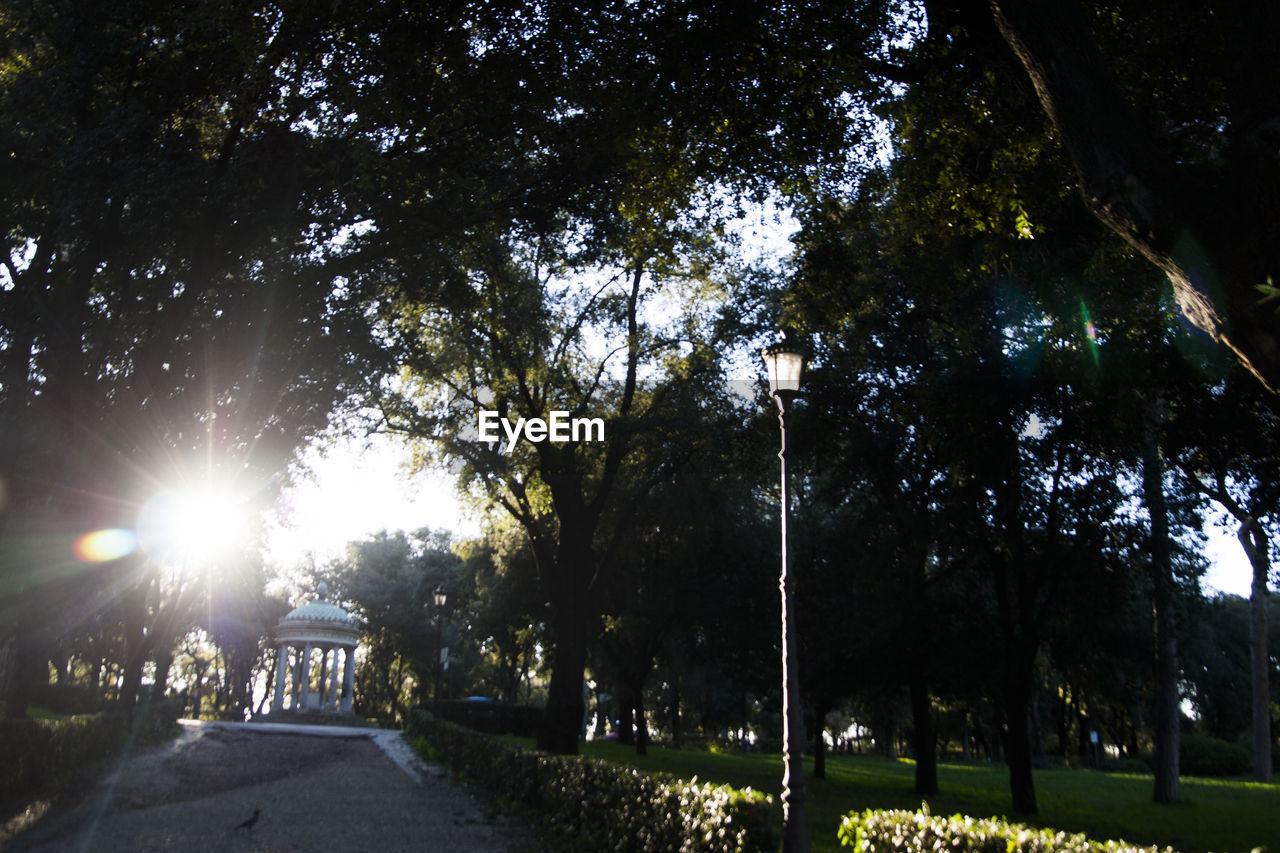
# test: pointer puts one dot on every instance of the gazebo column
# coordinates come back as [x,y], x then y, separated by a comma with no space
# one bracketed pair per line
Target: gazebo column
[324,673]
[304,671]
[349,679]
[282,669]
[296,671]
[332,704]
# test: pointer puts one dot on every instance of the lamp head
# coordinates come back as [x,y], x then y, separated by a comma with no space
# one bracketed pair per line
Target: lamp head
[440,596]
[784,362]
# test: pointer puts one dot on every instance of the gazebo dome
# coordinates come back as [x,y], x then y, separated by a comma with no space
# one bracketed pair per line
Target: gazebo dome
[318,611]
[318,621]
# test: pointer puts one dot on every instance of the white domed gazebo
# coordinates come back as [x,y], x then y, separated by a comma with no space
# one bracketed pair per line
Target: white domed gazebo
[318,625]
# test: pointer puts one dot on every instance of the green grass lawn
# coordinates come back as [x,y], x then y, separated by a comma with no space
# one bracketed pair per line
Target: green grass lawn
[1225,816]
[35,713]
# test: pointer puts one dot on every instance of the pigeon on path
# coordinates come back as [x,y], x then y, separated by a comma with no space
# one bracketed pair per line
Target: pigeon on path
[249,821]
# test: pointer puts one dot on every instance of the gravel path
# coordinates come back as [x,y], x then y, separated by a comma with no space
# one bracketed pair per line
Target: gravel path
[328,789]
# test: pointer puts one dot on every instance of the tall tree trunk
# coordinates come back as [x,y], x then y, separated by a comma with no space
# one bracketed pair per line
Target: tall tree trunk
[926,744]
[1167,712]
[508,685]
[562,719]
[677,735]
[1021,644]
[271,681]
[1139,722]
[50,449]
[32,610]
[626,718]
[642,723]
[1062,718]
[24,674]
[95,676]
[819,739]
[889,748]
[60,658]
[164,662]
[1017,705]
[1256,545]
[135,643]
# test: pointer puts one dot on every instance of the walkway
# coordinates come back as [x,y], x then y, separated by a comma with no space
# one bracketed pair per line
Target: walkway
[313,788]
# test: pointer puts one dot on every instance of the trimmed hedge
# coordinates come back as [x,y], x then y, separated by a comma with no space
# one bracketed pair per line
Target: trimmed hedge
[584,804]
[1135,766]
[1201,755]
[38,754]
[884,831]
[495,718]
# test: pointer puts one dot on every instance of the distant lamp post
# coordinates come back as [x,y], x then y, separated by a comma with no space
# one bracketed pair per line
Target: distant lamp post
[785,364]
[440,599]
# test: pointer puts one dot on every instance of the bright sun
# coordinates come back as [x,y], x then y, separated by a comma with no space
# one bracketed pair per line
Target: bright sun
[189,525]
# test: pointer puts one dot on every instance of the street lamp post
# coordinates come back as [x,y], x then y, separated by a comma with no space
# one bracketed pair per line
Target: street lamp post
[785,363]
[440,598]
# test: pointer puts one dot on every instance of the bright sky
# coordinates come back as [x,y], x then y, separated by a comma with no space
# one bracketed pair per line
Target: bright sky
[356,488]
[1229,569]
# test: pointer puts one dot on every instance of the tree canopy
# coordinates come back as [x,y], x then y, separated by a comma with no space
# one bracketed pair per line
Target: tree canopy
[230,226]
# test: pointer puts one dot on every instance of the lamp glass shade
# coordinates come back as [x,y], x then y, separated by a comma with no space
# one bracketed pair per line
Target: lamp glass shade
[784,364]
[440,597]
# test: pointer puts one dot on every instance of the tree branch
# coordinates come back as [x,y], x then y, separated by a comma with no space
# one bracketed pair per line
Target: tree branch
[1211,240]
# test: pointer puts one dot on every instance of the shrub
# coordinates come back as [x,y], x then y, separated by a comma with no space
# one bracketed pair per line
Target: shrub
[39,754]
[1201,755]
[1135,766]
[68,699]
[718,745]
[884,831]
[494,718]
[583,804]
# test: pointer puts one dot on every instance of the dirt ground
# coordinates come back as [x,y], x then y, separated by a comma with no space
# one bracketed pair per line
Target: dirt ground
[310,793]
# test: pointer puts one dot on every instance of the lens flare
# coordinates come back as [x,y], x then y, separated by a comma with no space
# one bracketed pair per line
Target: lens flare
[102,546]
[1090,331]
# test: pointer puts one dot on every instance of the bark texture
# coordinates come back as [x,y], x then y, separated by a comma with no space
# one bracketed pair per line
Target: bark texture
[1256,544]
[1215,232]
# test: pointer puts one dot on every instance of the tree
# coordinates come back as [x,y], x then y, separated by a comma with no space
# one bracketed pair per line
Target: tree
[1169,120]
[195,198]
[1229,459]
[519,347]
[718,659]
[239,618]
[875,584]
[668,570]
[1219,666]
[388,582]
[999,304]
[164,319]
[501,597]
